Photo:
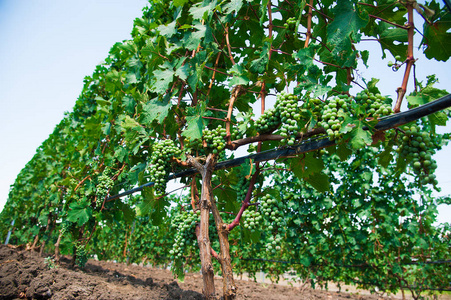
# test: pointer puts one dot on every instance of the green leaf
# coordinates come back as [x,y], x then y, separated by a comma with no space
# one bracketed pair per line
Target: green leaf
[162,79]
[392,39]
[347,22]
[156,109]
[202,12]
[192,39]
[152,205]
[195,122]
[437,38]
[319,181]
[169,29]
[233,5]
[306,55]
[239,80]
[129,104]
[133,130]
[182,72]
[179,2]
[79,212]
[306,166]
[358,137]
[371,86]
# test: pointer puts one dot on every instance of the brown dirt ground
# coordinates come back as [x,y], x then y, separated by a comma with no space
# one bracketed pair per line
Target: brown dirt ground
[24,274]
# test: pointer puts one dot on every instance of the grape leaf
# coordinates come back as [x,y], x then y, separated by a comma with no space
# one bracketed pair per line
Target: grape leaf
[156,109]
[358,137]
[195,122]
[347,22]
[319,181]
[437,39]
[79,212]
[162,79]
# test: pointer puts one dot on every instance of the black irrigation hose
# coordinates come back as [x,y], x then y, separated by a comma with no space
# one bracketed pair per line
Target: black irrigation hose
[438,262]
[383,124]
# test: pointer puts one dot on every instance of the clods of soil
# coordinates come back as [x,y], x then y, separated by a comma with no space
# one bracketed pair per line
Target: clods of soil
[26,275]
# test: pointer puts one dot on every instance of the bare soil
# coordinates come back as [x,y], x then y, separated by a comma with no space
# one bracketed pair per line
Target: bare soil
[26,275]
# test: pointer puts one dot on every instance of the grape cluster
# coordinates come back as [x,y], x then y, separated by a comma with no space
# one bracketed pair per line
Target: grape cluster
[418,148]
[333,115]
[215,139]
[374,105]
[273,212]
[104,184]
[313,106]
[66,226]
[82,255]
[268,121]
[287,105]
[241,188]
[160,161]
[252,219]
[184,224]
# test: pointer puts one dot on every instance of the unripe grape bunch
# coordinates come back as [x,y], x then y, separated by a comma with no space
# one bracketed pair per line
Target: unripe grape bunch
[242,188]
[375,105]
[184,224]
[418,148]
[215,139]
[104,184]
[333,115]
[160,160]
[66,226]
[268,121]
[272,211]
[287,105]
[252,219]
[82,255]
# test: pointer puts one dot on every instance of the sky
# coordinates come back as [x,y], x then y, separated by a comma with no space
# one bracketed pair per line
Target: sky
[47,47]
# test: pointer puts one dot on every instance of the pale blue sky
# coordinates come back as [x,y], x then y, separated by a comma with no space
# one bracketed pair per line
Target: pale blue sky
[48,47]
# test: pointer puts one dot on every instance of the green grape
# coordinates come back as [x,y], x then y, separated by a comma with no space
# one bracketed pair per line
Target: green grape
[268,121]
[104,184]
[252,219]
[242,188]
[160,161]
[82,255]
[66,226]
[417,149]
[272,214]
[287,106]
[333,115]
[374,105]
[215,139]
[184,224]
